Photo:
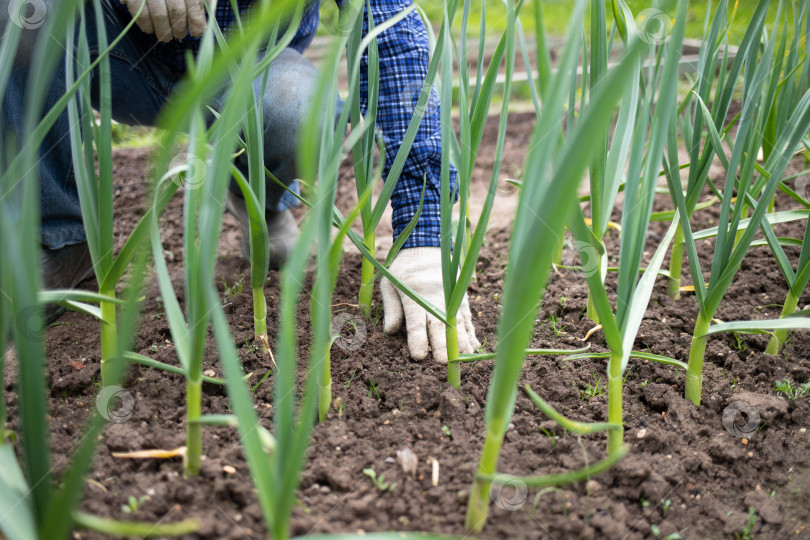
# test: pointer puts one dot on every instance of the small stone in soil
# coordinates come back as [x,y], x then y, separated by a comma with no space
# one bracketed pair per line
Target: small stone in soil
[407,460]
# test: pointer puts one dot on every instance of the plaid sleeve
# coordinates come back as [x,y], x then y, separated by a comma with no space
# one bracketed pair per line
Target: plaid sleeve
[404,54]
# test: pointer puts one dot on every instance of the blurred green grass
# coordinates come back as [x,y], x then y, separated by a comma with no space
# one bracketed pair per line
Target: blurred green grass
[556,17]
[558,12]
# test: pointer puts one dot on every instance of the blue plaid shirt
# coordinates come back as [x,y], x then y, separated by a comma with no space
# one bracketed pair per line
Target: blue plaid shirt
[404,57]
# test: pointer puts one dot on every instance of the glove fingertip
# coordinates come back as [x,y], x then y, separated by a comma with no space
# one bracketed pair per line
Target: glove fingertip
[392,324]
[144,21]
[471,337]
[466,321]
[197,30]
[180,30]
[438,340]
[418,353]
[392,308]
[196,19]
[418,342]
[465,345]
[440,355]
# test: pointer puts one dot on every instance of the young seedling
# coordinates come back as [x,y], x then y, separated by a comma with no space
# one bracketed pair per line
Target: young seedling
[379,481]
[363,147]
[276,476]
[594,389]
[701,153]
[608,166]
[43,508]
[204,207]
[741,189]
[91,141]
[792,390]
[232,290]
[747,532]
[133,503]
[633,293]
[556,325]
[797,280]
[458,265]
[552,174]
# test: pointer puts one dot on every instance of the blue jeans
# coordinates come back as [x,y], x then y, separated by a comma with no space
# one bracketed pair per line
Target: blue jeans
[141,86]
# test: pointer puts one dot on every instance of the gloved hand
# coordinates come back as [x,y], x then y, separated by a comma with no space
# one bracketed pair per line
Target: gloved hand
[169,18]
[420,269]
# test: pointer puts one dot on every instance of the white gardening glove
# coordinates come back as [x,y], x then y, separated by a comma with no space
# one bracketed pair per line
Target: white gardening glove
[421,269]
[169,18]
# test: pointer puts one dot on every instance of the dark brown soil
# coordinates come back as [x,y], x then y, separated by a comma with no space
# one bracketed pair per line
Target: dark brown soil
[685,472]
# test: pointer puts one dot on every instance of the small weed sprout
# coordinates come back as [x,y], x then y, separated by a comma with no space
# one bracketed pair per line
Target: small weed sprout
[261,381]
[379,481]
[740,345]
[134,503]
[232,290]
[747,532]
[372,388]
[594,389]
[341,409]
[550,435]
[349,382]
[792,390]
[556,325]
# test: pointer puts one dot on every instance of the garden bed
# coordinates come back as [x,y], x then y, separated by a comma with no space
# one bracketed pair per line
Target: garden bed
[685,471]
